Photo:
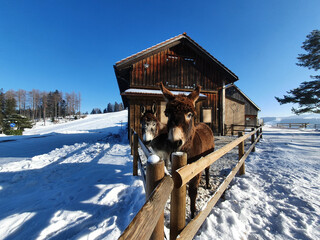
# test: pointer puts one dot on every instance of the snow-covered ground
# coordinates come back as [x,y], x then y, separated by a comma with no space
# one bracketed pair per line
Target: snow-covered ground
[69,181]
[74,181]
[278,197]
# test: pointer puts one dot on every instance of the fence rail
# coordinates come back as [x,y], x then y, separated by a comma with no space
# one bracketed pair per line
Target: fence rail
[293,125]
[148,223]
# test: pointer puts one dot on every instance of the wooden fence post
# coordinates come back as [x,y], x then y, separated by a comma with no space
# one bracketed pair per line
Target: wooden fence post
[155,173]
[131,140]
[252,140]
[242,169]
[178,198]
[261,131]
[135,154]
[257,134]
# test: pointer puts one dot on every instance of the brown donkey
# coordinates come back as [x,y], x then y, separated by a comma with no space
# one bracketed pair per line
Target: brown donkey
[194,139]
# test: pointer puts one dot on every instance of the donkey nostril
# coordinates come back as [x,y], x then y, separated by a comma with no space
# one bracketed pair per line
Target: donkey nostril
[178,143]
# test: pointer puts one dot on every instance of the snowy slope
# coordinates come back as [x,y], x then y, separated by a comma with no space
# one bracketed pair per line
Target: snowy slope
[74,181]
[68,181]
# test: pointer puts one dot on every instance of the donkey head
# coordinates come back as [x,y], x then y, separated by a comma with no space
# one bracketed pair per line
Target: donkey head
[180,111]
[149,123]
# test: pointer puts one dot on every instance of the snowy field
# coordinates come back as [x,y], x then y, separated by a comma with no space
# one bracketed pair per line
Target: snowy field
[74,181]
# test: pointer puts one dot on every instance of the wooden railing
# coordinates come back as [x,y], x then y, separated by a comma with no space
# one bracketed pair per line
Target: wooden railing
[292,125]
[148,223]
[235,128]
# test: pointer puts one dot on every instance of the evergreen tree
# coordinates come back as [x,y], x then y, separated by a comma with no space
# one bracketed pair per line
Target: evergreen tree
[307,95]
[93,111]
[116,107]
[110,107]
[10,105]
[105,110]
[98,111]
[13,123]
[121,107]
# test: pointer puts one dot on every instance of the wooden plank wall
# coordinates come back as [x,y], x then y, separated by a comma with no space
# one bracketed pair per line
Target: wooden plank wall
[178,67]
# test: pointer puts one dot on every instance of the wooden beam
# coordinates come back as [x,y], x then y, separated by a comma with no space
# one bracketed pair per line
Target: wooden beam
[143,224]
[178,198]
[155,173]
[185,174]
[135,154]
[145,150]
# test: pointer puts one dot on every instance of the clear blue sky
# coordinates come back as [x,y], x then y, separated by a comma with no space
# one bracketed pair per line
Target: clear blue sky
[73,45]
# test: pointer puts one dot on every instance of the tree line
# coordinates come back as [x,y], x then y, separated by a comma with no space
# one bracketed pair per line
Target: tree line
[116,107]
[36,104]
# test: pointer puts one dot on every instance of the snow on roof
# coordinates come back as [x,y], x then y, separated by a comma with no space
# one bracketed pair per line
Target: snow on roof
[156,92]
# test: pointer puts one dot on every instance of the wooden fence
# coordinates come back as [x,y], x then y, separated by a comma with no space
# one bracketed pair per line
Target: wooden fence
[235,128]
[292,125]
[148,223]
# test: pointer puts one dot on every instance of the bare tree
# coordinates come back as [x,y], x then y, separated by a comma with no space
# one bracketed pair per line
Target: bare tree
[44,101]
[21,99]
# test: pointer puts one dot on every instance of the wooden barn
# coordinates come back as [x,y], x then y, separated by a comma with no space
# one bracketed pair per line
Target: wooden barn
[240,109]
[180,64]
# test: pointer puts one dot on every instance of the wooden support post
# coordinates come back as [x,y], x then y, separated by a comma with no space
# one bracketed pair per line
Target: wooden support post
[261,132]
[242,169]
[232,129]
[155,173]
[178,197]
[257,135]
[131,140]
[252,140]
[135,154]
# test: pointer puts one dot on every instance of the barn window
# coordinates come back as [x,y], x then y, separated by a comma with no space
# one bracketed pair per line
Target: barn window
[163,117]
[207,115]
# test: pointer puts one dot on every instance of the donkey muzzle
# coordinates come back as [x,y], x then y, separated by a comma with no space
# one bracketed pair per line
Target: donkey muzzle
[177,144]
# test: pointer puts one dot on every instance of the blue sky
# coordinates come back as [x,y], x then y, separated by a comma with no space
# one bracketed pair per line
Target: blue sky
[73,45]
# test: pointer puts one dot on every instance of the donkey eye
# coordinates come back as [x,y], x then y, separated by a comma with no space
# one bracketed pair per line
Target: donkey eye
[189,115]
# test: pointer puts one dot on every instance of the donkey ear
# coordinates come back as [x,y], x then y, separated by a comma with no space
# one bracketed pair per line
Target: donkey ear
[166,93]
[194,95]
[142,109]
[153,108]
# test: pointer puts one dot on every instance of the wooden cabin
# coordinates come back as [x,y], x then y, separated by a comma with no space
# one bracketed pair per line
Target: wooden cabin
[180,64]
[240,109]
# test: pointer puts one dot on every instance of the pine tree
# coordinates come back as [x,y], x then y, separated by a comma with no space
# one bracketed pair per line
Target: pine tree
[307,95]
[93,111]
[116,107]
[110,107]
[121,107]
[12,122]
[105,110]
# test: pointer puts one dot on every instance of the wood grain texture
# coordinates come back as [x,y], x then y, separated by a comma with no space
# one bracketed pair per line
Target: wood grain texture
[185,174]
[143,224]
